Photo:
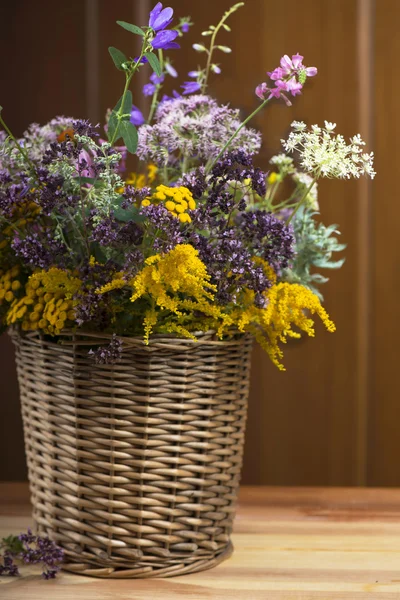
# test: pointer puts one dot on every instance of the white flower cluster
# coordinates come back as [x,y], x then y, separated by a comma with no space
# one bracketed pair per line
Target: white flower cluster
[324,154]
[283,162]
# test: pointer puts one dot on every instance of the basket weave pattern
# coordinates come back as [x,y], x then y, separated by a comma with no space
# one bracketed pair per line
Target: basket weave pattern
[134,467]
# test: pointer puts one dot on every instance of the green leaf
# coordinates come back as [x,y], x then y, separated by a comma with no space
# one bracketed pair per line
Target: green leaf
[154,63]
[118,57]
[131,28]
[13,544]
[126,109]
[83,180]
[126,112]
[129,214]
[129,135]
[112,126]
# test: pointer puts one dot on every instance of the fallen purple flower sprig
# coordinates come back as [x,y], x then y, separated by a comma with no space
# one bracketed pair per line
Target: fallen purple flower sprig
[30,549]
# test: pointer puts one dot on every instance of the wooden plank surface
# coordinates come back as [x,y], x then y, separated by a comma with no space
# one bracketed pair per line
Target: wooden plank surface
[303,543]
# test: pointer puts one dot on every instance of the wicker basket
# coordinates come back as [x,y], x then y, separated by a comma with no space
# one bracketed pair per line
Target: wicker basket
[134,467]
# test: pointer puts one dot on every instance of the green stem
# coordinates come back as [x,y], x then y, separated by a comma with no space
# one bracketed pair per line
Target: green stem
[302,200]
[212,42]
[158,87]
[153,104]
[228,143]
[18,145]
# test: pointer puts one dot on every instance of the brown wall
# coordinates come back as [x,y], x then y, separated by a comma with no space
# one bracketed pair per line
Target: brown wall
[332,418]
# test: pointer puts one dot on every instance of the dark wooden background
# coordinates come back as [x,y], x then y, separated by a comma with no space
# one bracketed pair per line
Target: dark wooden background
[333,417]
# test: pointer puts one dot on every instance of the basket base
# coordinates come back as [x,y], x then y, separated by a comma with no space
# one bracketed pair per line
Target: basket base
[147,572]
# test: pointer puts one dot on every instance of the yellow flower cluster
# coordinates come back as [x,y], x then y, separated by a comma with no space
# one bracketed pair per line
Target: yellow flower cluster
[176,283]
[177,201]
[285,316]
[9,284]
[22,215]
[180,271]
[177,287]
[47,303]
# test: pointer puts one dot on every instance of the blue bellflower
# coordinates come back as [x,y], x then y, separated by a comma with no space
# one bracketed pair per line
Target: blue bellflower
[190,87]
[159,20]
[164,40]
[160,17]
[149,89]
[137,117]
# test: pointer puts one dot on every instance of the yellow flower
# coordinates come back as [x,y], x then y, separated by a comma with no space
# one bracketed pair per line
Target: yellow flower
[139,180]
[171,206]
[115,284]
[184,218]
[273,178]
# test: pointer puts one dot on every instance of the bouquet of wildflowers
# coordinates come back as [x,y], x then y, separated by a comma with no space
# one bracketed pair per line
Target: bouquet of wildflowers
[199,238]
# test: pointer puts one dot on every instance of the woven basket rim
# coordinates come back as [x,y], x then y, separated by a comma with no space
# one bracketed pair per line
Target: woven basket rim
[77,338]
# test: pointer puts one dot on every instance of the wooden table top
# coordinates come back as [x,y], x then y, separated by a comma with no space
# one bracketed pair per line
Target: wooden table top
[290,543]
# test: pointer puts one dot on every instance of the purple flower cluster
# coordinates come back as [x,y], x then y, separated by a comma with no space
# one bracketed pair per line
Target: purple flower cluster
[164,227]
[238,166]
[230,263]
[31,550]
[38,550]
[106,355]
[236,235]
[288,78]
[269,237]
[39,249]
[109,231]
[196,127]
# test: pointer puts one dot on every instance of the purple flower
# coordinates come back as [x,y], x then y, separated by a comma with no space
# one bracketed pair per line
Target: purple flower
[137,117]
[170,70]
[106,355]
[154,78]
[190,87]
[185,27]
[8,567]
[175,95]
[164,40]
[194,74]
[160,17]
[149,89]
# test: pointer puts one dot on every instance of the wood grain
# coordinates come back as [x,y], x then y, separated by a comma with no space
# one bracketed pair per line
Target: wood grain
[308,426]
[298,543]
[385,409]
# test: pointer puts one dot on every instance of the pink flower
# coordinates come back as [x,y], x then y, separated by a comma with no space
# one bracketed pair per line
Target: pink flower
[289,77]
[311,71]
[277,73]
[262,91]
[293,86]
